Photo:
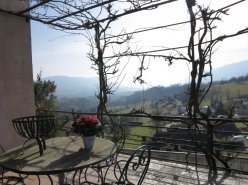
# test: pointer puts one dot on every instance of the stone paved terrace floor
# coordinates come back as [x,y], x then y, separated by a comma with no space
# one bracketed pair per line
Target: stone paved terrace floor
[161,173]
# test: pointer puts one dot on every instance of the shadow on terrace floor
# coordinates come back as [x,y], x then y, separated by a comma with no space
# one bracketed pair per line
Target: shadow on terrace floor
[161,173]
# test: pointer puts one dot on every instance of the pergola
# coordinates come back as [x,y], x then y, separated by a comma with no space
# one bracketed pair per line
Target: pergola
[79,15]
[74,15]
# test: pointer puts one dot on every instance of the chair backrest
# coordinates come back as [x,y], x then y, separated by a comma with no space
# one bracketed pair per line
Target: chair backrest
[116,133]
[137,165]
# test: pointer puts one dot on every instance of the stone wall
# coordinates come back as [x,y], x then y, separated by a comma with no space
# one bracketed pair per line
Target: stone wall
[16,79]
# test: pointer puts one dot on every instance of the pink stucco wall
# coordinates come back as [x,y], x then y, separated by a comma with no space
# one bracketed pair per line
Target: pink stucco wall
[16,82]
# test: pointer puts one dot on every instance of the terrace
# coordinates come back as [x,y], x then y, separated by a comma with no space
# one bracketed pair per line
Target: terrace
[176,157]
[179,145]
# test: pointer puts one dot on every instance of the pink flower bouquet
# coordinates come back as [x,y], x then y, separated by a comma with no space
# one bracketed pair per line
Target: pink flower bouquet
[86,125]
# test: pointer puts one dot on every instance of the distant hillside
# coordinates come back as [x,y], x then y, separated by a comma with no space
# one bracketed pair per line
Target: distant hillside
[77,87]
[232,89]
[154,94]
[231,70]
[229,90]
[236,87]
[73,87]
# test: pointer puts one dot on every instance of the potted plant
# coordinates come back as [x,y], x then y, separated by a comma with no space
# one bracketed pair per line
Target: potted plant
[87,127]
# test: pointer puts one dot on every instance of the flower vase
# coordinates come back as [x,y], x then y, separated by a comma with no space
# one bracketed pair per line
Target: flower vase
[89,142]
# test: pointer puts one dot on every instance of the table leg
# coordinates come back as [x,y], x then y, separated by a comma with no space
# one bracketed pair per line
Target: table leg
[61,177]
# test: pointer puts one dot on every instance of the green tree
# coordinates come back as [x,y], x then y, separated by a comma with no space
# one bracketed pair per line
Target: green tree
[230,109]
[220,110]
[44,94]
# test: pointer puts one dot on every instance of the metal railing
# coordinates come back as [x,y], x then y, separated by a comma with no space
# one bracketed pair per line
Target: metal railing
[177,140]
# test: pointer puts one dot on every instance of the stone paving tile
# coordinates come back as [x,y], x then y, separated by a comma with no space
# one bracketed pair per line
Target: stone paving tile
[33,179]
[159,173]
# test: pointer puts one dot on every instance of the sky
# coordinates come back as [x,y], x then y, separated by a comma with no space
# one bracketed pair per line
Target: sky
[56,53]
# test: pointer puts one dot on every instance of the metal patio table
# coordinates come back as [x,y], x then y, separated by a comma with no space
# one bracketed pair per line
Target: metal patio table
[62,155]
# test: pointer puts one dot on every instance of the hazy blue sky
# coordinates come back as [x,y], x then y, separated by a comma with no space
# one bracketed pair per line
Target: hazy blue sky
[57,53]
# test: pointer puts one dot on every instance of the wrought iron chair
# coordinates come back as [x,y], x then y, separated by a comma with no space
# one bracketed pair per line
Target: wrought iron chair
[125,171]
[9,180]
[116,133]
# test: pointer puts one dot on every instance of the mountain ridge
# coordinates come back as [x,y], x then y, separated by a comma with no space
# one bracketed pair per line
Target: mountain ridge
[74,87]
[228,71]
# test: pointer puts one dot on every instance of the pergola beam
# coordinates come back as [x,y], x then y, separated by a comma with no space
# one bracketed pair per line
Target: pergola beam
[35,6]
[125,13]
[61,21]
[82,10]
[28,17]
